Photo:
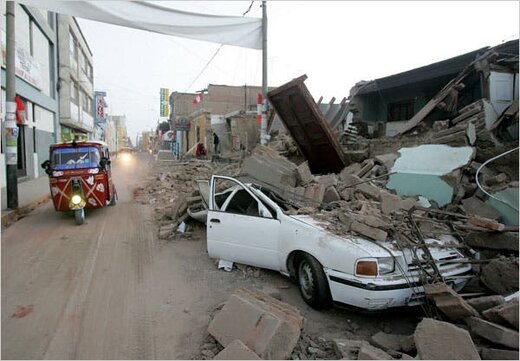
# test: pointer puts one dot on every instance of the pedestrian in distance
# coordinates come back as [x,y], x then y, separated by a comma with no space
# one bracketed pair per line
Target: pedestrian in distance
[216,141]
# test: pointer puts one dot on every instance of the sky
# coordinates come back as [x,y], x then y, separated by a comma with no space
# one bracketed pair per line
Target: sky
[336,43]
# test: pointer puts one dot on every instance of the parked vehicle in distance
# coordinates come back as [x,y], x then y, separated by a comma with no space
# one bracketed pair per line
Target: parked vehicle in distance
[80,177]
[125,154]
[247,224]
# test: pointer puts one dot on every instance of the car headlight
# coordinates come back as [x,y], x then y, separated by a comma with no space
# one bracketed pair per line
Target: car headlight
[385,265]
[76,199]
[375,266]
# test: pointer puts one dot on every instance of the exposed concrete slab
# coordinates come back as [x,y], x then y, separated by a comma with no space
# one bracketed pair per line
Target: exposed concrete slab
[369,191]
[484,303]
[475,207]
[270,168]
[370,232]
[493,332]
[501,275]
[304,173]
[497,354]
[267,326]
[449,302]
[492,240]
[315,192]
[438,340]
[504,314]
[236,350]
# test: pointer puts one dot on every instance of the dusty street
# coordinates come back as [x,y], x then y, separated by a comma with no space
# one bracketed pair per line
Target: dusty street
[109,289]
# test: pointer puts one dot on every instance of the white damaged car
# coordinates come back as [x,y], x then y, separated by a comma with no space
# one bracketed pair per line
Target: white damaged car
[246,225]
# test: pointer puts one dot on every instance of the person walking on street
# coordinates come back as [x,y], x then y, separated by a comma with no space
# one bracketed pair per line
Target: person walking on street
[215,142]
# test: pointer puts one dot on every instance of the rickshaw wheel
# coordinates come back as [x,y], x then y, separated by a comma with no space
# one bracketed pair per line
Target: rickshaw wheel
[79,216]
[113,201]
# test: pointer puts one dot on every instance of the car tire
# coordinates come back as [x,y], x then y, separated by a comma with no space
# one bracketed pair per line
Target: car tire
[312,282]
[79,216]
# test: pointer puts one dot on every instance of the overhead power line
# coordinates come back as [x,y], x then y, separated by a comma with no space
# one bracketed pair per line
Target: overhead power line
[216,52]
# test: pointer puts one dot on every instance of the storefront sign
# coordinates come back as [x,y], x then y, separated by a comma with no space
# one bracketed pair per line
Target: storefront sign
[100,105]
[11,134]
[165,108]
[25,66]
[182,123]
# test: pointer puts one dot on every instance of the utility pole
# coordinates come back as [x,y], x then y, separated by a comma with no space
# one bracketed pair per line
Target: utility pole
[11,129]
[263,126]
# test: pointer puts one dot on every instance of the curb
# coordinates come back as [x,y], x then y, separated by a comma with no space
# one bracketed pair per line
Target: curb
[11,216]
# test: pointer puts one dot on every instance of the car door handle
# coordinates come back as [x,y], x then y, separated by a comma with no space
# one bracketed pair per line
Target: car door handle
[214,220]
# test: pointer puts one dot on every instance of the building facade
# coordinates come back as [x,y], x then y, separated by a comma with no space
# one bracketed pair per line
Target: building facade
[76,81]
[121,137]
[36,80]
[196,122]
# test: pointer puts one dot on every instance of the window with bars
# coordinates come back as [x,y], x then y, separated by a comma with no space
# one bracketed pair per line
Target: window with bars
[399,111]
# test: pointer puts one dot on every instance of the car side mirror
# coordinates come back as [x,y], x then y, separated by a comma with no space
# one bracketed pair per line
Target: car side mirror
[47,166]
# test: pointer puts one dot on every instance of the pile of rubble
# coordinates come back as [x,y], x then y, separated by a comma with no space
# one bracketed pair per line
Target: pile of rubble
[173,188]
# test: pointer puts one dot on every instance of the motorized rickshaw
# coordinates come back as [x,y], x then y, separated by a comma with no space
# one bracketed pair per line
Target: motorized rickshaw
[80,177]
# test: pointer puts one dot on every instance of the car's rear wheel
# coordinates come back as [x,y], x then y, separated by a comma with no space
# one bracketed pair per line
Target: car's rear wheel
[313,284]
[79,216]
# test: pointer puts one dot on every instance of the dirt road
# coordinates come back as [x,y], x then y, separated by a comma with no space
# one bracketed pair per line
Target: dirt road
[109,289]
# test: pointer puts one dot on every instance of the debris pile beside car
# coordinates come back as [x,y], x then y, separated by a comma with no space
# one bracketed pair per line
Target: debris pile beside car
[173,188]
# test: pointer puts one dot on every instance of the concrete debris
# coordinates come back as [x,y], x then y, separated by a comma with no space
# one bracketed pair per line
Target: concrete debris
[475,207]
[493,332]
[304,173]
[314,348]
[267,166]
[236,350]
[449,302]
[484,303]
[387,341]
[506,241]
[504,314]
[267,326]
[368,231]
[501,275]
[348,349]
[497,354]
[407,344]
[369,352]
[438,340]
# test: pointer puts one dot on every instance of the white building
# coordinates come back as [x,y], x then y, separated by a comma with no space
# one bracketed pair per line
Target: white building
[36,79]
[76,85]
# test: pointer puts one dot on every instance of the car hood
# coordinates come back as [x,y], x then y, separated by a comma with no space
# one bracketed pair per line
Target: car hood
[439,248]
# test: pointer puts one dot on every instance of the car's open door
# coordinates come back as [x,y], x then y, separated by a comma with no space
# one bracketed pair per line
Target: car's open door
[241,228]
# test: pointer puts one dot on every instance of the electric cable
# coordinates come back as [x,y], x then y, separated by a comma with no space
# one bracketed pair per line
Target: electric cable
[482,188]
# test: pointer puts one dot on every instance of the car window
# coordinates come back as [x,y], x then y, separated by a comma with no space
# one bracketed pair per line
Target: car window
[243,203]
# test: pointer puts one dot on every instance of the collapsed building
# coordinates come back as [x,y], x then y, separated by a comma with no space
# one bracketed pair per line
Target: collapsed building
[446,166]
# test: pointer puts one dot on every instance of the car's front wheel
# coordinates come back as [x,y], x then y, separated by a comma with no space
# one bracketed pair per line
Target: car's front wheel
[313,284]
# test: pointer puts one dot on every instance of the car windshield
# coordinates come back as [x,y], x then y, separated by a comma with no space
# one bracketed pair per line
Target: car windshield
[75,158]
